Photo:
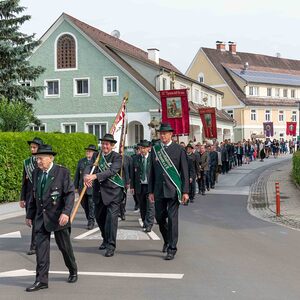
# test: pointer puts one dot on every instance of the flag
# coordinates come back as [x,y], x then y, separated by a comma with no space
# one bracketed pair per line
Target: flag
[175,110]
[209,121]
[291,128]
[268,129]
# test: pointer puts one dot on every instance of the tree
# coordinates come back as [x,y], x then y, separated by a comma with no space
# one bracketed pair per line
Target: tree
[15,49]
[16,115]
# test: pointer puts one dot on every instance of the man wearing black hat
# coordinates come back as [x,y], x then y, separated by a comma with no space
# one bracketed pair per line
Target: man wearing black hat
[53,200]
[134,158]
[168,186]
[26,192]
[139,185]
[87,202]
[108,191]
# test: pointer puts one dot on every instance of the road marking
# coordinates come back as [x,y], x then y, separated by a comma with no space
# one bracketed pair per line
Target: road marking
[12,215]
[24,272]
[82,236]
[244,191]
[152,234]
[11,235]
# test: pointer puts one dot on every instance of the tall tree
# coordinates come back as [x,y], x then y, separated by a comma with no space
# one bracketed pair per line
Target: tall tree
[15,49]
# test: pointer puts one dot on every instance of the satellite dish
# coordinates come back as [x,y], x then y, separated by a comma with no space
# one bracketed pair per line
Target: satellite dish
[116,34]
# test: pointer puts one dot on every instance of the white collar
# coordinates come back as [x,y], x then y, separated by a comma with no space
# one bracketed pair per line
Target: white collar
[167,145]
[146,156]
[49,169]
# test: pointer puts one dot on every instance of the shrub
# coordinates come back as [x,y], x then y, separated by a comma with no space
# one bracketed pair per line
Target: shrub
[14,149]
[296,167]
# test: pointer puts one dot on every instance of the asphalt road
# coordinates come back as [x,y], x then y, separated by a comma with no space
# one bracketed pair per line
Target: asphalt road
[224,253]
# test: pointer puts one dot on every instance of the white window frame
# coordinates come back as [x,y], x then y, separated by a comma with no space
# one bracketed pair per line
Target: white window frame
[42,124]
[86,124]
[105,92]
[75,94]
[293,91]
[55,53]
[164,83]
[255,90]
[269,114]
[253,114]
[277,90]
[62,126]
[287,93]
[281,114]
[230,112]
[201,75]
[294,114]
[46,95]
[269,88]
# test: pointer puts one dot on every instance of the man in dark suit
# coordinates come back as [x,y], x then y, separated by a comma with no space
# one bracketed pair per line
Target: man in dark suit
[193,170]
[168,186]
[51,206]
[213,165]
[29,166]
[134,158]
[203,168]
[139,185]
[87,202]
[108,189]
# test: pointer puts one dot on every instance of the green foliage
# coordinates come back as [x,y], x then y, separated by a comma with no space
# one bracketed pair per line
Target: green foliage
[296,166]
[16,115]
[14,149]
[15,49]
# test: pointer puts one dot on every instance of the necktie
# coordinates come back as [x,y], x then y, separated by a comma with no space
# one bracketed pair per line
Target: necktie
[43,183]
[144,168]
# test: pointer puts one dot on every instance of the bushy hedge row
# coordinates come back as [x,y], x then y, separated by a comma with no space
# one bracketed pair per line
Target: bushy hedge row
[296,167]
[14,149]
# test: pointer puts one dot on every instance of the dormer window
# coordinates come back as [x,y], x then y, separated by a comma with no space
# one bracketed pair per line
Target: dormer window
[66,52]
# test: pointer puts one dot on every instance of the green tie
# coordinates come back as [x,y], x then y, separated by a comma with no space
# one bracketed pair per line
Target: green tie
[43,183]
[144,169]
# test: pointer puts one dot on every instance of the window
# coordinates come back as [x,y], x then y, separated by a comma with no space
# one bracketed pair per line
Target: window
[111,85]
[230,112]
[285,93]
[253,91]
[52,88]
[25,83]
[281,116]
[277,92]
[164,84]
[294,116]
[69,128]
[66,52]
[138,133]
[253,115]
[41,128]
[267,115]
[197,96]
[81,87]
[201,78]
[293,94]
[98,129]
[269,92]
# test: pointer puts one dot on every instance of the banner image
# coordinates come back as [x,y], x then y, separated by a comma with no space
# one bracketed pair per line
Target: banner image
[175,110]
[291,128]
[268,129]
[209,121]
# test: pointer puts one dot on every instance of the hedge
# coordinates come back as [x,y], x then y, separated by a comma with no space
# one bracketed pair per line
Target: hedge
[296,167]
[14,149]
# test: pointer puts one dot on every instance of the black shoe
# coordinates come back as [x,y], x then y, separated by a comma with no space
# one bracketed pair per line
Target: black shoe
[102,246]
[203,193]
[213,187]
[165,248]
[90,225]
[31,252]
[109,253]
[72,278]
[170,256]
[123,218]
[148,229]
[208,189]
[192,200]
[37,286]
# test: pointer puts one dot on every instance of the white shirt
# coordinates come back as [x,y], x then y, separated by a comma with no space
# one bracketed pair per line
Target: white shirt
[167,145]
[47,171]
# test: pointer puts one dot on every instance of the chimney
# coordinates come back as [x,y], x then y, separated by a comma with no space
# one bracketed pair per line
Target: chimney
[220,45]
[232,47]
[153,54]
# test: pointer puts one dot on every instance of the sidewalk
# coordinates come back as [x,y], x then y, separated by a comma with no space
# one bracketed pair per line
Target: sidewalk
[10,210]
[262,198]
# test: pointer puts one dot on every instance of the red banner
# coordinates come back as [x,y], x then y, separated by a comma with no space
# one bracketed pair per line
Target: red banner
[175,110]
[209,121]
[291,128]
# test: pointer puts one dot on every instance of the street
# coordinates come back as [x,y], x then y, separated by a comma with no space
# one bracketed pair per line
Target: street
[223,253]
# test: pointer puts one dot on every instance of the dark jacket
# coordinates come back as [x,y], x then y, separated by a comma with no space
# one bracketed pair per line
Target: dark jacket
[79,174]
[224,154]
[193,166]
[213,159]
[137,165]
[203,161]
[58,198]
[159,182]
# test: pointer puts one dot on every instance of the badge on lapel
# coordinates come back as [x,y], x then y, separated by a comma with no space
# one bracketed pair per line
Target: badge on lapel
[54,196]
[109,164]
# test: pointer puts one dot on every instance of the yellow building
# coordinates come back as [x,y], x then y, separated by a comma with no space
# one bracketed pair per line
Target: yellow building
[257,88]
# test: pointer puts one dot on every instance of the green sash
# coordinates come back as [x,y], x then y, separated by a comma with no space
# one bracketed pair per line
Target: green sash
[169,168]
[29,165]
[116,179]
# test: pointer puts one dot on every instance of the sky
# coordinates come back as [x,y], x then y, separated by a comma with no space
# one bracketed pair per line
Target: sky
[178,28]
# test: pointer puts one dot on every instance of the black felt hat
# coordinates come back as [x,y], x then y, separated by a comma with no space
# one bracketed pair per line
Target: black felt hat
[108,138]
[92,148]
[145,143]
[36,141]
[165,127]
[45,149]
[189,145]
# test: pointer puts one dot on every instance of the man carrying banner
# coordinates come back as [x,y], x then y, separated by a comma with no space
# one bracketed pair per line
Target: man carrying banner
[108,191]
[30,165]
[168,186]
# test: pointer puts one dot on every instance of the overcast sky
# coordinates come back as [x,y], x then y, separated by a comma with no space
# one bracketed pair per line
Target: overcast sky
[178,28]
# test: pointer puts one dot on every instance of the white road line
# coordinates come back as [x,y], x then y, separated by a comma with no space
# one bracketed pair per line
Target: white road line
[12,215]
[11,235]
[24,272]
[151,234]
[81,236]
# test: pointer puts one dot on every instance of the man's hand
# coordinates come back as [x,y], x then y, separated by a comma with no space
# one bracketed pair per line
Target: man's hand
[132,191]
[151,198]
[191,180]
[88,180]
[29,222]
[184,198]
[22,203]
[63,219]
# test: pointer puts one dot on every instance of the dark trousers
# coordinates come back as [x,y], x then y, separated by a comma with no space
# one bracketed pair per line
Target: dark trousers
[33,235]
[107,220]
[212,175]
[225,166]
[88,205]
[207,180]
[136,202]
[123,206]
[202,182]
[192,189]
[146,207]
[166,214]
[240,159]
[63,241]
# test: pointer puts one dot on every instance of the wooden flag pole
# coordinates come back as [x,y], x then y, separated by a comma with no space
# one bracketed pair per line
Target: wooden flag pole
[76,207]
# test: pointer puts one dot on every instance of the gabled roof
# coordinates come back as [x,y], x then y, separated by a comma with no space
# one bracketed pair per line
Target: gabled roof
[223,61]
